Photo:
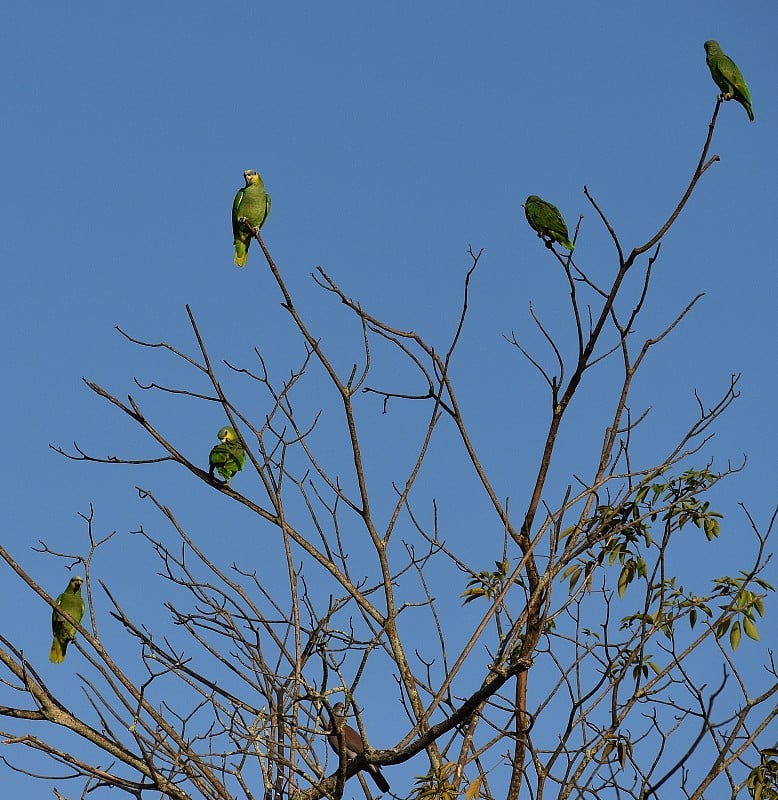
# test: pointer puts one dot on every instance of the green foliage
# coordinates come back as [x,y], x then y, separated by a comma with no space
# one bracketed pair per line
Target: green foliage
[674,603]
[487,584]
[441,784]
[622,529]
[621,535]
[685,507]
[640,664]
[744,606]
[762,781]
[616,751]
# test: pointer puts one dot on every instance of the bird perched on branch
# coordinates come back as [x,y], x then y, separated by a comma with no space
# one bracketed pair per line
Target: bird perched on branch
[250,207]
[64,632]
[727,76]
[228,457]
[352,743]
[547,221]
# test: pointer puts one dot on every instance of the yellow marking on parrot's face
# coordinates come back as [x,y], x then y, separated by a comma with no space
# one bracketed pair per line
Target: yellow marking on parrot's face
[251,176]
[227,434]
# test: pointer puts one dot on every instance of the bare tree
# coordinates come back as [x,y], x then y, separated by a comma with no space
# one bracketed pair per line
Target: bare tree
[580,666]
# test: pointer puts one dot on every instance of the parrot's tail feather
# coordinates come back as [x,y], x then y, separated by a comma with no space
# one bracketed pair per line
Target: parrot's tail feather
[750,113]
[241,254]
[57,653]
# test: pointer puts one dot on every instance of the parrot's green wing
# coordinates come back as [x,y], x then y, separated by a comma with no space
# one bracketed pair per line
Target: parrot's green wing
[228,457]
[727,76]
[251,203]
[73,603]
[545,218]
[235,212]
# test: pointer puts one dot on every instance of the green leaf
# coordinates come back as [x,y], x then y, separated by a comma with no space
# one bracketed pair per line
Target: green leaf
[573,573]
[711,529]
[734,636]
[607,750]
[624,579]
[750,629]
[472,594]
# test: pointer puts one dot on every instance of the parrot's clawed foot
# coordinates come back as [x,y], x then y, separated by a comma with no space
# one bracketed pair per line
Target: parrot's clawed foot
[247,225]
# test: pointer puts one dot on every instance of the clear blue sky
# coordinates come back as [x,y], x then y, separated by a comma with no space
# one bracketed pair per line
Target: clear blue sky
[391,137]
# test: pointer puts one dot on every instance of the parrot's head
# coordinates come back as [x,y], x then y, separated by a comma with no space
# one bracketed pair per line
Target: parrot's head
[712,46]
[75,584]
[251,176]
[531,199]
[227,434]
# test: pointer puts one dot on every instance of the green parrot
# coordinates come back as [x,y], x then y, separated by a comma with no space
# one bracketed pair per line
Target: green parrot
[63,630]
[727,76]
[228,457]
[547,221]
[251,203]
